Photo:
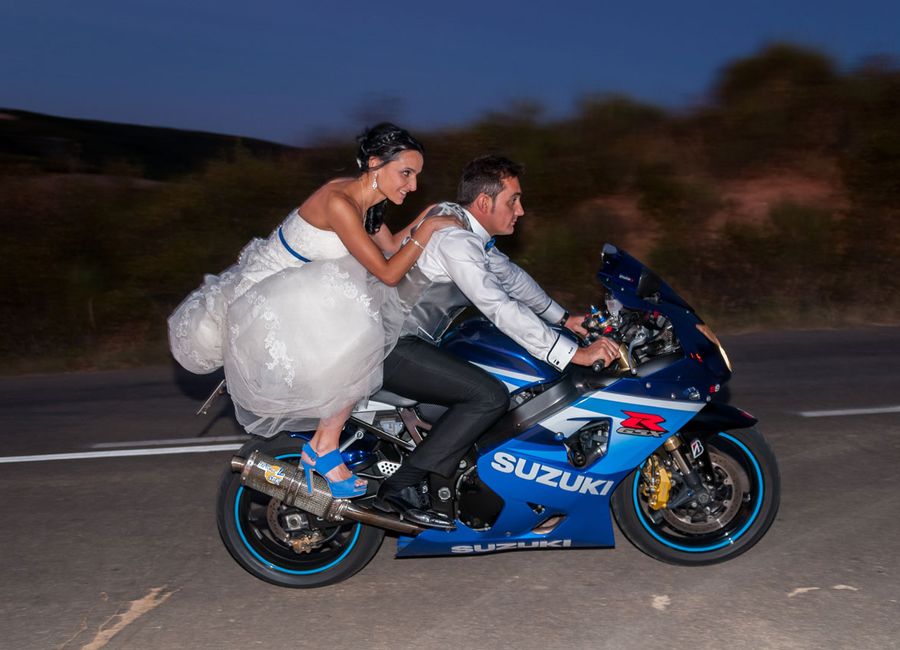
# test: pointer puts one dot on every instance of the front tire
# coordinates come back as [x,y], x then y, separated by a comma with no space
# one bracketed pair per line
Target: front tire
[749,492]
[263,535]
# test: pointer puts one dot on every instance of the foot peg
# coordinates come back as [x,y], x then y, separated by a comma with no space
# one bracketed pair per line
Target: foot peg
[412,506]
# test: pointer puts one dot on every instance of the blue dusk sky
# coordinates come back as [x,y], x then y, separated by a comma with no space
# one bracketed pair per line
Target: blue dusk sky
[296,71]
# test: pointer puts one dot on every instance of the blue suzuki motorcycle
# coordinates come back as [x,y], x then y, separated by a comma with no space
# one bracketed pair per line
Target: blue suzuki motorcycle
[687,478]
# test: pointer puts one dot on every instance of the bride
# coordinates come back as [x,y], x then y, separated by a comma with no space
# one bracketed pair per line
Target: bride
[298,322]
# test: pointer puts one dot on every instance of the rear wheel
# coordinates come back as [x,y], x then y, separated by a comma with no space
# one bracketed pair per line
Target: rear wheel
[285,545]
[740,473]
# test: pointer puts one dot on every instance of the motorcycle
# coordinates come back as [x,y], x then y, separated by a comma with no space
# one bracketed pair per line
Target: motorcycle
[646,440]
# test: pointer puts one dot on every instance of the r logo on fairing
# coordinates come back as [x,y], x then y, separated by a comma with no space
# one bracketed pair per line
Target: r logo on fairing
[642,424]
[547,475]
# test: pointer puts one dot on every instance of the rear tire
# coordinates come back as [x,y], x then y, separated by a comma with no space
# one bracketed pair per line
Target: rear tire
[750,494]
[246,518]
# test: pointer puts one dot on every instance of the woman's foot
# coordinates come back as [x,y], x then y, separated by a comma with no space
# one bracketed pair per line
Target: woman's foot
[341,473]
[337,474]
[308,455]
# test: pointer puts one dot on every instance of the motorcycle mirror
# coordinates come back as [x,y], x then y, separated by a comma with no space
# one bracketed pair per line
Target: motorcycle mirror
[608,251]
[648,284]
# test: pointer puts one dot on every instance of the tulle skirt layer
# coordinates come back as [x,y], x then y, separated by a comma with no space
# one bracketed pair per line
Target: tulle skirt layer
[197,326]
[306,343]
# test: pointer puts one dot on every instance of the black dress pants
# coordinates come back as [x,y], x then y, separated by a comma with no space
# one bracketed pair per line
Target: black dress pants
[420,371]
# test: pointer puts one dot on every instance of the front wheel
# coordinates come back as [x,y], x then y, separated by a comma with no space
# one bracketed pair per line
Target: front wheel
[740,473]
[283,544]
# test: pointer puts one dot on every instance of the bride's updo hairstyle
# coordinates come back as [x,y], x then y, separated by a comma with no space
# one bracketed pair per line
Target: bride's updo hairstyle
[385,141]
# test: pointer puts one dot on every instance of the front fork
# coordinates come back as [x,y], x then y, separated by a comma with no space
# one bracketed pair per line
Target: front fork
[694,488]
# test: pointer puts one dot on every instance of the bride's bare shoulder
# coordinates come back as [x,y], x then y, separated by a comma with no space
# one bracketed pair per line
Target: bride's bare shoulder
[329,200]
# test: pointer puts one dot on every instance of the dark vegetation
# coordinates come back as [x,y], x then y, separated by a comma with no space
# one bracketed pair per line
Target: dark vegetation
[773,204]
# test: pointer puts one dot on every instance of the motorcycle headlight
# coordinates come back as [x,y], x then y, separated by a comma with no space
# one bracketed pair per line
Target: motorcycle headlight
[708,333]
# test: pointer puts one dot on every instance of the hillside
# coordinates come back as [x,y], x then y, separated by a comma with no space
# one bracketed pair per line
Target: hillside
[59,144]
[775,204]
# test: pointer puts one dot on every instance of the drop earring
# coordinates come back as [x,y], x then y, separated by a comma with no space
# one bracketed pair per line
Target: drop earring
[375,181]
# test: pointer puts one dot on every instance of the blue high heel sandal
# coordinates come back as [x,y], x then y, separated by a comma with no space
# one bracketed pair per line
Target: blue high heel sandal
[345,489]
[307,468]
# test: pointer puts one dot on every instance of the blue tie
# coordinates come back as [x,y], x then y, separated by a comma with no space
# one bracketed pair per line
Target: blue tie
[489,244]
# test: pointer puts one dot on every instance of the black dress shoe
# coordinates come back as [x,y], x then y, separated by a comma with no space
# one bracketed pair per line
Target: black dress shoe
[412,504]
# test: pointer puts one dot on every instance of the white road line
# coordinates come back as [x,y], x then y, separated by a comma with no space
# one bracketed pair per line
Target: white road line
[161,451]
[168,441]
[838,412]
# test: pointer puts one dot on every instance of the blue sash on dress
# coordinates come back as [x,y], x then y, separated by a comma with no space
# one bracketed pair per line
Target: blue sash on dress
[288,248]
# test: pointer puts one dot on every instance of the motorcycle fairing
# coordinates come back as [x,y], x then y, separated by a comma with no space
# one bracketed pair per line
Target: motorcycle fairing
[511,379]
[533,476]
[621,274]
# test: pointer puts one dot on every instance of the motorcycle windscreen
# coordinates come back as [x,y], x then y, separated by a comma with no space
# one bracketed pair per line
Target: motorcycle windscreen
[621,271]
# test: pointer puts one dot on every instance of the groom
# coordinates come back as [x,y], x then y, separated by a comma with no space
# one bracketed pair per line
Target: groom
[460,267]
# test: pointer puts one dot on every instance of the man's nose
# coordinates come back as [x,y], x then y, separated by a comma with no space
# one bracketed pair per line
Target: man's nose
[520,210]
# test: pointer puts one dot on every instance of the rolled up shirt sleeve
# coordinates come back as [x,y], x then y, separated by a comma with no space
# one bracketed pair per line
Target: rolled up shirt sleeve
[462,257]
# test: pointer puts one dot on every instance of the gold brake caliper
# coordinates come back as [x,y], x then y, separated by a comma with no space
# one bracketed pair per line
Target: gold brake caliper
[657,483]
[306,543]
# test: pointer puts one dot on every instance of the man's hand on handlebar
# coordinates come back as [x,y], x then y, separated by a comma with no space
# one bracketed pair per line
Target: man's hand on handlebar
[574,324]
[601,352]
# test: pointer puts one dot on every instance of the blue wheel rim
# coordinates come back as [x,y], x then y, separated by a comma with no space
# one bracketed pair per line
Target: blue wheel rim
[275,567]
[729,538]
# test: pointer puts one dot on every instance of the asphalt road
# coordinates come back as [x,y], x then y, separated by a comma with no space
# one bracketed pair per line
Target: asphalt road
[122,552]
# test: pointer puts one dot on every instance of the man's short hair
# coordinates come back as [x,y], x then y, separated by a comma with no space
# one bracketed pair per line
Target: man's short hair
[485,175]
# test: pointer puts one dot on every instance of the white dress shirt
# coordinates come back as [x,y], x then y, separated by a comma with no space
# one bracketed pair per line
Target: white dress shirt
[501,290]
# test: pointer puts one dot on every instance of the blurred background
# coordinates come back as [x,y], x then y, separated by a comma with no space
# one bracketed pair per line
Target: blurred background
[750,155]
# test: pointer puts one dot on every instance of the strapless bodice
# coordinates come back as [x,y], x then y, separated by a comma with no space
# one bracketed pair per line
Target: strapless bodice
[309,241]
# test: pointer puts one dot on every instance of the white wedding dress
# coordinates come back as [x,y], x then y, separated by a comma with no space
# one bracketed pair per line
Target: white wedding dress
[299,340]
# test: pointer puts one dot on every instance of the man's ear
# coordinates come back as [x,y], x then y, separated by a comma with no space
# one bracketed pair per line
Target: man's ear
[483,202]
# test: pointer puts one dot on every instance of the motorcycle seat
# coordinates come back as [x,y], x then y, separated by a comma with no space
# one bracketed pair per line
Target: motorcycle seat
[393,399]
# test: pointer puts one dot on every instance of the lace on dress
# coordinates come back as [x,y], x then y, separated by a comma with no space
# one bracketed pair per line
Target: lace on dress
[304,340]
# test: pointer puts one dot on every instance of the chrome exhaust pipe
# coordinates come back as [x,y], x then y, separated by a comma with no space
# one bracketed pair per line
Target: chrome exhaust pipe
[284,482]
[287,483]
[349,510]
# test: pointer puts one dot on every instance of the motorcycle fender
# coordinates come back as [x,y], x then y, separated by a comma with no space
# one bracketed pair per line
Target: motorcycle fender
[716,417]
